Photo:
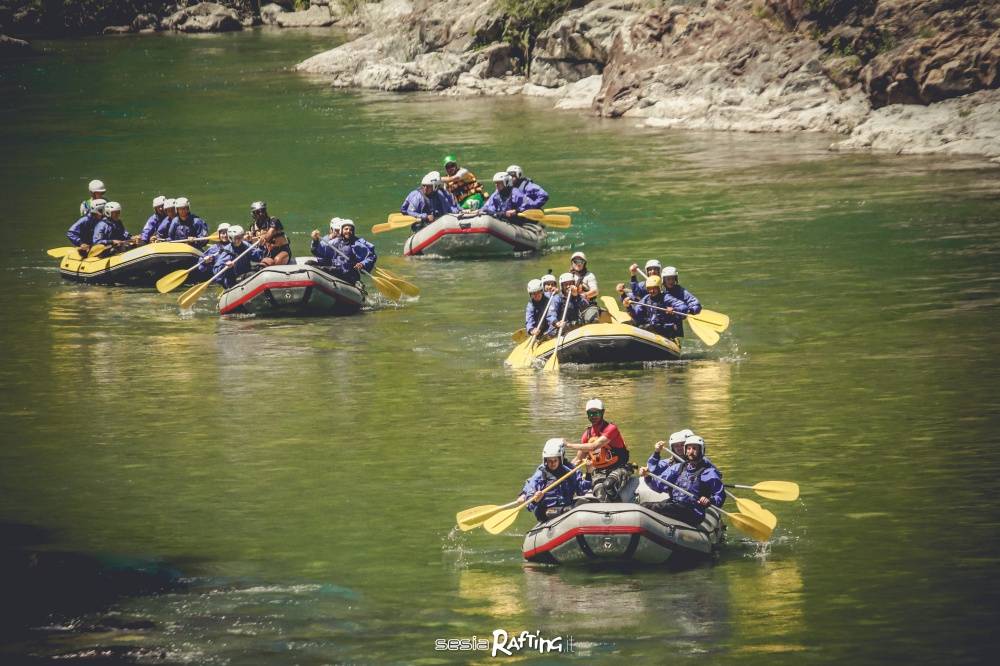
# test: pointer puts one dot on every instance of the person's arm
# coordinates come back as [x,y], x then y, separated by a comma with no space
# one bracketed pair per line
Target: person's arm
[590,282]
[692,303]
[530,318]
[712,488]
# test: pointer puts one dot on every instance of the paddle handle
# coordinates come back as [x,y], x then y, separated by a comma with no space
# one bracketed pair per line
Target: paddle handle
[556,482]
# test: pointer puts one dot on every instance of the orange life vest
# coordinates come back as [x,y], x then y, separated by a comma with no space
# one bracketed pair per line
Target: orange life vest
[465,188]
[605,456]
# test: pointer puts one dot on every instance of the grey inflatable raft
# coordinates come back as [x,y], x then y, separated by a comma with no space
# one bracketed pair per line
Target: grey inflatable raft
[451,236]
[292,289]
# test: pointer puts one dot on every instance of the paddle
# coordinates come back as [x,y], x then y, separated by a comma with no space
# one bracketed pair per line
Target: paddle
[554,221]
[504,518]
[172,280]
[396,221]
[611,305]
[782,491]
[477,515]
[552,365]
[707,334]
[60,252]
[563,209]
[749,525]
[521,356]
[406,287]
[519,336]
[745,506]
[387,288]
[189,297]
[96,251]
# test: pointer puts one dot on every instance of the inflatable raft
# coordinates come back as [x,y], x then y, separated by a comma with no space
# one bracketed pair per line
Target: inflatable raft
[451,236]
[292,289]
[610,343]
[622,532]
[141,266]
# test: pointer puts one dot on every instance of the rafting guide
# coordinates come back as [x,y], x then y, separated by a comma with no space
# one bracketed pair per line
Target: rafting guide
[504,643]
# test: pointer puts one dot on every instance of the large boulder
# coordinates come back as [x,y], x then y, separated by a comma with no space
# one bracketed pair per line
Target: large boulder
[576,46]
[203,17]
[269,13]
[11,46]
[316,16]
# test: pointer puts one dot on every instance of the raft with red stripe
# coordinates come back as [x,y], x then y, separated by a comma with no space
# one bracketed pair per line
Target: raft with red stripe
[599,532]
[451,236]
[292,290]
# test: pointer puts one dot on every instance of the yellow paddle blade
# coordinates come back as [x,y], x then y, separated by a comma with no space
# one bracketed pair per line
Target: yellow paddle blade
[557,221]
[501,520]
[532,214]
[406,287]
[400,217]
[392,225]
[703,331]
[96,251]
[563,209]
[754,510]
[519,336]
[60,252]
[716,320]
[172,280]
[619,315]
[388,289]
[521,356]
[752,527]
[782,491]
[191,296]
[476,516]
[552,364]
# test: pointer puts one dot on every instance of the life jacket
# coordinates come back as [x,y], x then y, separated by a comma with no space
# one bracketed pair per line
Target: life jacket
[466,187]
[605,456]
[690,480]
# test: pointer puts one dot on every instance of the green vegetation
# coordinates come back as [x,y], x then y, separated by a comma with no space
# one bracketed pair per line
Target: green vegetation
[524,20]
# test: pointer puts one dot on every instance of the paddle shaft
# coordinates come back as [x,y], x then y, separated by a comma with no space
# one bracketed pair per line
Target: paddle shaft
[688,493]
[681,460]
[223,271]
[559,336]
[542,321]
[348,259]
[555,483]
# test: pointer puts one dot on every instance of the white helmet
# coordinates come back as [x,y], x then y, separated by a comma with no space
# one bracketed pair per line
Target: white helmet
[223,226]
[336,223]
[431,178]
[112,207]
[595,403]
[170,203]
[348,223]
[679,436]
[258,205]
[158,201]
[554,448]
[695,440]
[548,277]
[235,230]
[515,171]
[653,263]
[98,205]
[578,255]
[182,202]
[96,186]
[534,286]
[503,177]
[567,277]
[669,271]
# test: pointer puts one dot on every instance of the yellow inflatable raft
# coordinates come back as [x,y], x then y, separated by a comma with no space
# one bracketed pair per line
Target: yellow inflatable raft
[140,267]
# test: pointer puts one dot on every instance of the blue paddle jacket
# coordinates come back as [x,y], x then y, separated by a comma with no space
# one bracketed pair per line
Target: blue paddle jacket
[194,227]
[667,325]
[685,296]
[342,255]
[577,304]
[152,224]
[243,264]
[499,203]
[163,231]
[533,313]
[82,231]
[561,495]
[703,479]
[108,230]
[534,196]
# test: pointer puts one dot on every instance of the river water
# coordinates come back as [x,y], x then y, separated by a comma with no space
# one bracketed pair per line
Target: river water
[191,489]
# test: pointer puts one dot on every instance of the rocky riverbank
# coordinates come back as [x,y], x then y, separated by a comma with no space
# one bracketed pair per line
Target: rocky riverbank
[901,76]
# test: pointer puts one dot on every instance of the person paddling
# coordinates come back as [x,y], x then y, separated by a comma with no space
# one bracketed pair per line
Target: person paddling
[232,255]
[187,225]
[550,284]
[110,231]
[534,311]
[505,202]
[607,454]
[635,289]
[698,476]
[212,253]
[547,506]
[534,196]
[81,232]
[169,215]
[148,233]
[277,250]
[661,317]
[573,316]
[426,203]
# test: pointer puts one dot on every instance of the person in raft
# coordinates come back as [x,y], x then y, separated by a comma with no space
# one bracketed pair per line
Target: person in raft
[659,464]
[187,225]
[81,232]
[276,249]
[547,506]
[534,196]
[322,254]
[505,202]
[663,321]
[148,233]
[698,476]
[169,215]
[97,191]
[550,284]
[204,270]
[462,185]
[606,453]
[427,203]
[675,290]
[346,256]
[574,311]
[635,290]
[111,231]
[533,311]
[232,257]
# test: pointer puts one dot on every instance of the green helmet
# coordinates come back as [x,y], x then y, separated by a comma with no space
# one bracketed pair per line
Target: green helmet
[451,159]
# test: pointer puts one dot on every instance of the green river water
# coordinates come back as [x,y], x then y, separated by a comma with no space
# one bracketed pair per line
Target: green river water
[191,489]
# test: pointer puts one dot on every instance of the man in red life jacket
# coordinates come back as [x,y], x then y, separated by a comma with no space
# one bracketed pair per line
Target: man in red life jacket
[603,445]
